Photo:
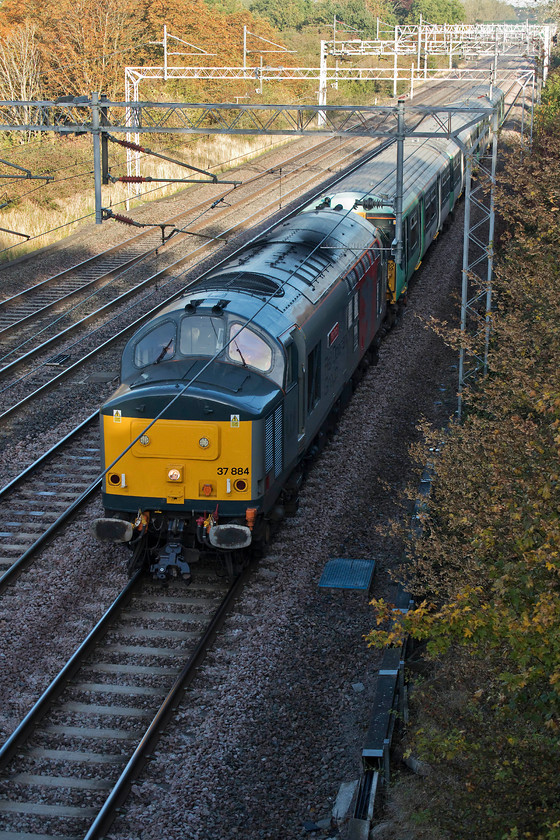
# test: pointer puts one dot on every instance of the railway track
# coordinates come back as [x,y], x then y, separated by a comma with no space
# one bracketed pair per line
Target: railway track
[32,372]
[32,309]
[69,764]
[39,794]
[42,497]
[42,318]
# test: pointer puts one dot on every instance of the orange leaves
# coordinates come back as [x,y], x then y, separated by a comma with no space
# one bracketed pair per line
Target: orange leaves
[85,46]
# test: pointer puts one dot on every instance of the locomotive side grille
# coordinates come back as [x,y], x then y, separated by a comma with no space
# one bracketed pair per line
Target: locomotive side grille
[273,442]
[269,443]
[278,435]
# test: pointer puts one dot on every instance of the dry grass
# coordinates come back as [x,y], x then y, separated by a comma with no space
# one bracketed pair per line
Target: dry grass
[48,212]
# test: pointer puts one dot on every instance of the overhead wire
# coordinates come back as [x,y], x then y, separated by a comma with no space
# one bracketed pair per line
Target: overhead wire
[116,204]
[215,357]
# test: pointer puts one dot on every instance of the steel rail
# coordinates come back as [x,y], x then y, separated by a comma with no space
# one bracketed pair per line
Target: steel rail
[154,278]
[48,280]
[11,573]
[109,811]
[22,561]
[42,458]
[51,530]
[42,389]
[63,374]
[182,676]
[133,240]
[127,264]
[55,246]
[22,732]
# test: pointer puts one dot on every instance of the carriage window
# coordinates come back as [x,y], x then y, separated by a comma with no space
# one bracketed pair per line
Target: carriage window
[430,210]
[456,170]
[412,226]
[445,188]
[313,378]
[201,335]
[156,346]
[248,348]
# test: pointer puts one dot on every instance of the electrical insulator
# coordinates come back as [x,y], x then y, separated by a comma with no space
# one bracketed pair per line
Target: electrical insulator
[124,219]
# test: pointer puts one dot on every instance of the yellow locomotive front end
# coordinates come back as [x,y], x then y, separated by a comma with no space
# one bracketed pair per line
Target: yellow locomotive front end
[176,462]
[184,440]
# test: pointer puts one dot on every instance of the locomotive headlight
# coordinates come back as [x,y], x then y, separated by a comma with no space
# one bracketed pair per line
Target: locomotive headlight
[174,474]
[204,443]
[144,440]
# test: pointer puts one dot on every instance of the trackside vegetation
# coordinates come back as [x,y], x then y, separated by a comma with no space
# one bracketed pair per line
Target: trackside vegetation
[485,572]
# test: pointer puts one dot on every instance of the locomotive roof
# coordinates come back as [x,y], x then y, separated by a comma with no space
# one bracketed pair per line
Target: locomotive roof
[295,263]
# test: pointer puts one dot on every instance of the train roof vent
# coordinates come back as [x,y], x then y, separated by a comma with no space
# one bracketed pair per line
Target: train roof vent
[256,284]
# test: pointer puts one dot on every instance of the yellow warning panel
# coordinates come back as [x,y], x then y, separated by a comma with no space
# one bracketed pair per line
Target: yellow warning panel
[173,439]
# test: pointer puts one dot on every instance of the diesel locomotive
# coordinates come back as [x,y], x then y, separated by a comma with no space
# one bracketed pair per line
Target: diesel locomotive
[225,390]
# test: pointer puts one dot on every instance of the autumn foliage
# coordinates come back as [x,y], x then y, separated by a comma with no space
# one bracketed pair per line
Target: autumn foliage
[486,570]
[83,46]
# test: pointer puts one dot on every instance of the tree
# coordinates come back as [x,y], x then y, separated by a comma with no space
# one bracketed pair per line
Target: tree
[283,14]
[486,570]
[437,11]
[20,68]
[488,11]
[85,46]
[354,14]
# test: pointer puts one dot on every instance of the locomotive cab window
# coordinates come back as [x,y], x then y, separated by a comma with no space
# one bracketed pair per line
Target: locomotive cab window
[247,348]
[201,335]
[158,345]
